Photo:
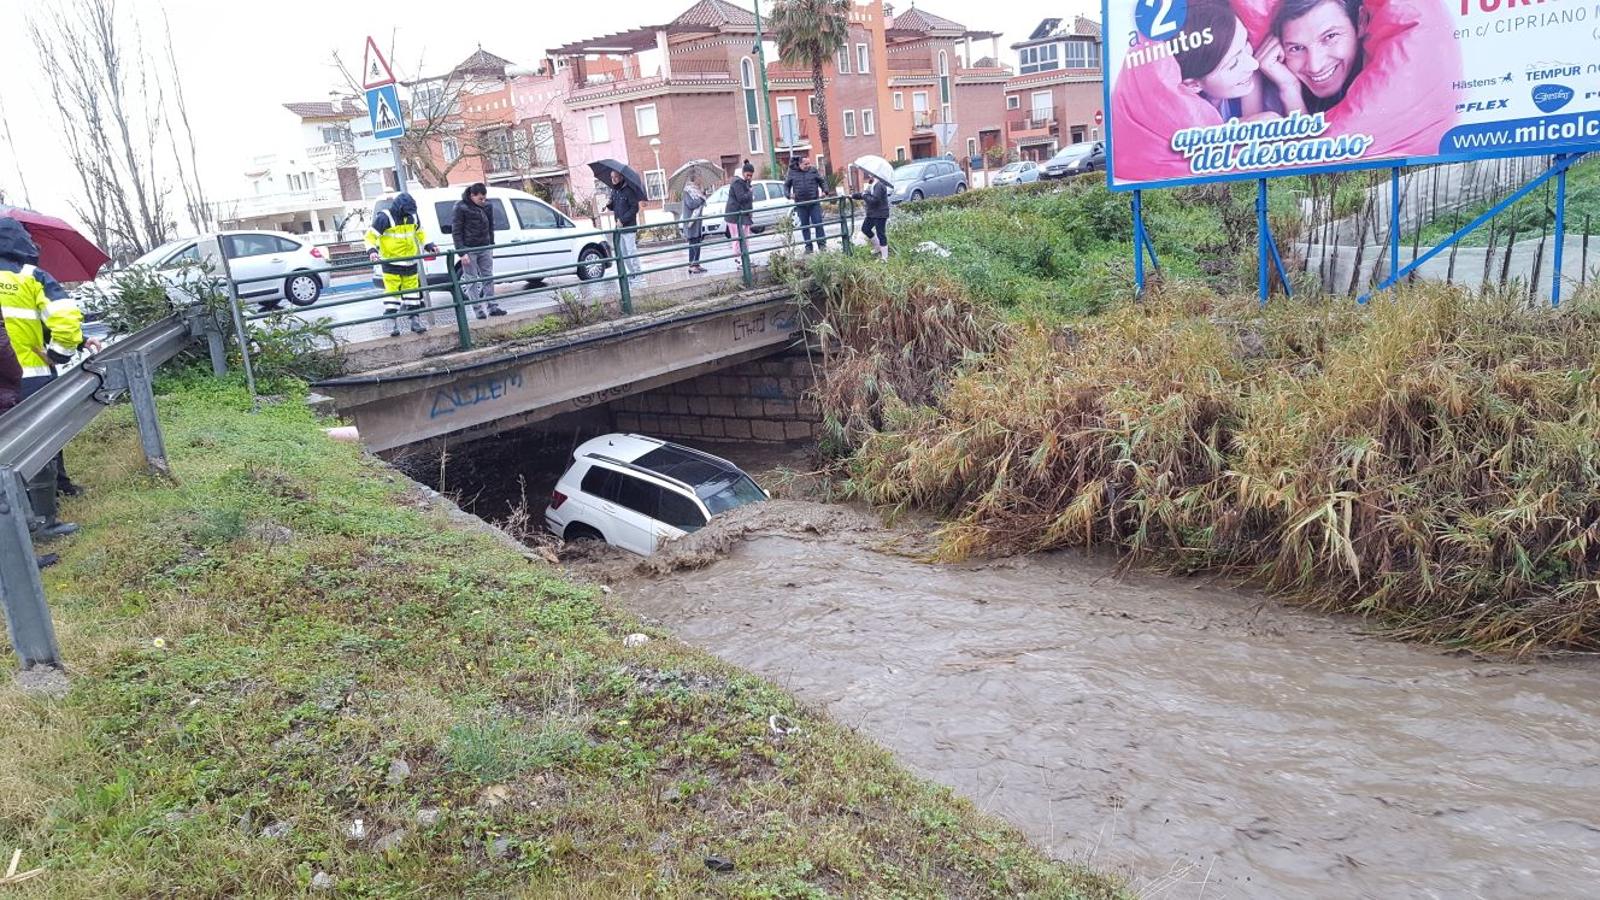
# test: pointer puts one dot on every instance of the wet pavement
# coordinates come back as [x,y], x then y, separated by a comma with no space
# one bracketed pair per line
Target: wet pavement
[1202,740]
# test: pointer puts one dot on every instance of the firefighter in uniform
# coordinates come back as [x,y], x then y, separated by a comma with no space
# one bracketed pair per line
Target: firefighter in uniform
[45,328]
[395,234]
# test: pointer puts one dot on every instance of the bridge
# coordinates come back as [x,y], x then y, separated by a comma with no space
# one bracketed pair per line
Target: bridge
[476,393]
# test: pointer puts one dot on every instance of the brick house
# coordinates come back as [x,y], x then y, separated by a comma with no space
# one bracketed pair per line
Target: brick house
[857,92]
[930,84]
[1058,90]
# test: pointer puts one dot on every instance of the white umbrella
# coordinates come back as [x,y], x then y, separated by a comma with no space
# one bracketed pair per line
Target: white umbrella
[876,166]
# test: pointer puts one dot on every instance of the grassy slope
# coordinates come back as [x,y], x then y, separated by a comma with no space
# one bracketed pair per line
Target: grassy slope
[229,675]
[1530,214]
[1059,250]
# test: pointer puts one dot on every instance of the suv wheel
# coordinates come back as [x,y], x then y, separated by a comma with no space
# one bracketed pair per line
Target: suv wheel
[578,531]
[916,195]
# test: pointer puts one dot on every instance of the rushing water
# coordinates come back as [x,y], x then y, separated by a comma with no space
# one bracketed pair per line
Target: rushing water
[1200,740]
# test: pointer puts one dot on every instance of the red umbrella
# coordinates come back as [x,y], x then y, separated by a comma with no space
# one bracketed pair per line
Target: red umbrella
[63,252]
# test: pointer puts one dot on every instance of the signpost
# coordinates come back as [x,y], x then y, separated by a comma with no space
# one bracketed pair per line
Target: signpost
[383,105]
[946,132]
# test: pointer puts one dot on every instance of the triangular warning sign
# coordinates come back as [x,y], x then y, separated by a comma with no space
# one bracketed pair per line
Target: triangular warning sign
[384,119]
[375,71]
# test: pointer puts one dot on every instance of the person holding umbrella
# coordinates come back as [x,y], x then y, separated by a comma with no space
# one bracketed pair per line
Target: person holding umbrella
[694,203]
[627,198]
[44,327]
[876,195]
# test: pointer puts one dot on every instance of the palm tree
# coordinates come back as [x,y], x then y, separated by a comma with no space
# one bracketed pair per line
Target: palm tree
[809,33]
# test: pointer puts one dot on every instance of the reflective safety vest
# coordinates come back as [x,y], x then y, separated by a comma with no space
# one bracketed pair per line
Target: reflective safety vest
[37,326]
[396,240]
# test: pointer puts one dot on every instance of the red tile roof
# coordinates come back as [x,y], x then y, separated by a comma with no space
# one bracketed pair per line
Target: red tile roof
[921,20]
[322,109]
[714,14]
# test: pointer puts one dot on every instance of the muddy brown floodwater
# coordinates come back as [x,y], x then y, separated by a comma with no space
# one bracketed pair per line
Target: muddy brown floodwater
[1194,738]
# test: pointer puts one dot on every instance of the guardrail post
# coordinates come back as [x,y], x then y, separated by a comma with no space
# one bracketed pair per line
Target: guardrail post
[463,330]
[625,296]
[136,369]
[219,352]
[33,636]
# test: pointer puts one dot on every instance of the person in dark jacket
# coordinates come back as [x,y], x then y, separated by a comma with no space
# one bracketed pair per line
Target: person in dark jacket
[741,203]
[625,203]
[472,227]
[876,224]
[804,187]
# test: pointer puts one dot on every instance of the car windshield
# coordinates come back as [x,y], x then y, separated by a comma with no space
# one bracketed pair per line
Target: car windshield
[736,491]
[160,253]
[1014,167]
[1076,151]
[719,485]
[909,173]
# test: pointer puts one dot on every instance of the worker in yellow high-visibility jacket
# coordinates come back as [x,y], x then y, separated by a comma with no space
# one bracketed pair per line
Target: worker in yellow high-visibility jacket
[45,328]
[395,234]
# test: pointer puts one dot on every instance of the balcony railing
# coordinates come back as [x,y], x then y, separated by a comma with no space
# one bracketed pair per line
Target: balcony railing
[1033,119]
[683,71]
[905,64]
[924,118]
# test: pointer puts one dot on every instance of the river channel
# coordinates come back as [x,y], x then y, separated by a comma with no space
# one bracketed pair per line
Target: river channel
[1201,740]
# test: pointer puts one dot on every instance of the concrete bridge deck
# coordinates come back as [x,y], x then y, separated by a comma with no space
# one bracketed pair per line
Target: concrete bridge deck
[475,393]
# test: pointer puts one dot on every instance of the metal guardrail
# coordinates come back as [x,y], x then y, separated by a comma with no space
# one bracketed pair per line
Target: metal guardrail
[37,429]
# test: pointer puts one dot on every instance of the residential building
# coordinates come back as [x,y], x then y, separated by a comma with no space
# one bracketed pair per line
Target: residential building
[320,184]
[1056,97]
[932,85]
[856,93]
[463,126]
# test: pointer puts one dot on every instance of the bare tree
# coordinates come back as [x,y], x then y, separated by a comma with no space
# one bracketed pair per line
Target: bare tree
[194,192]
[438,113]
[111,119]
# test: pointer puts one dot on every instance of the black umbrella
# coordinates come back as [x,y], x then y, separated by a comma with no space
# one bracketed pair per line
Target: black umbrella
[603,169]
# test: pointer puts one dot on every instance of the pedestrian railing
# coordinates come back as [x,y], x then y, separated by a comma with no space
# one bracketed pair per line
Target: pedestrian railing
[837,224]
[36,430]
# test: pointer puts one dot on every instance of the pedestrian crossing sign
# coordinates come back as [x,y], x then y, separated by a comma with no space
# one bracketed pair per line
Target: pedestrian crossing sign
[383,108]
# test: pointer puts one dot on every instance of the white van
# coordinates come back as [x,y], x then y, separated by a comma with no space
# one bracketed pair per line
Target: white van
[518,216]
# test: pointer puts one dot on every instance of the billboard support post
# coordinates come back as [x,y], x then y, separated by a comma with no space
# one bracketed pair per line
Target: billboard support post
[1394,220]
[1557,170]
[1138,244]
[1561,231]
[1263,239]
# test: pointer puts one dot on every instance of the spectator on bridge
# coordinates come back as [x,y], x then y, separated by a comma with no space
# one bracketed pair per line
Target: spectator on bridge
[395,238]
[625,203]
[804,187]
[44,328]
[876,224]
[741,203]
[472,228]
[694,204]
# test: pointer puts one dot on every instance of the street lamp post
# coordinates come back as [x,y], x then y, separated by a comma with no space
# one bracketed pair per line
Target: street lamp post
[766,101]
[655,147]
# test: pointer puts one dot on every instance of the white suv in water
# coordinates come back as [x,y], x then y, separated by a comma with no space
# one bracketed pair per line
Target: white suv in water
[637,493]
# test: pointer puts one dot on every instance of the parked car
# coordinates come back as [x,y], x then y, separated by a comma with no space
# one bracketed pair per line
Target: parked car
[1075,159]
[518,217]
[1024,172]
[637,492]
[771,205]
[927,178]
[251,254]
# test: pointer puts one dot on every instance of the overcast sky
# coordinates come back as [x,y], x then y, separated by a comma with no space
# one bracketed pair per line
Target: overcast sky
[241,62]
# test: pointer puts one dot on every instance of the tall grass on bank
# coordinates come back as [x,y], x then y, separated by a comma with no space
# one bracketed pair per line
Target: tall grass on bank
[1430,461]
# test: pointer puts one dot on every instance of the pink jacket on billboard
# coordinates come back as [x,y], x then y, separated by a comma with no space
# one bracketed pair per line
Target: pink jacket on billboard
[1404,96]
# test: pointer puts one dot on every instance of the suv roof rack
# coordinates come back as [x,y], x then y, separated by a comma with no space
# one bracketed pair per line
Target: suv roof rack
[641,470]
[690,450]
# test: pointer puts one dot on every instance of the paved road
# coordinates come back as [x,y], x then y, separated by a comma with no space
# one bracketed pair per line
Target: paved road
[441,313]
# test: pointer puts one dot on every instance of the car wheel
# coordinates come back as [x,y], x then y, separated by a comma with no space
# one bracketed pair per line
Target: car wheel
[591,264]
[916,195]
[758,229]
[578,531]
[533,283]
[302,288]
[961,189]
